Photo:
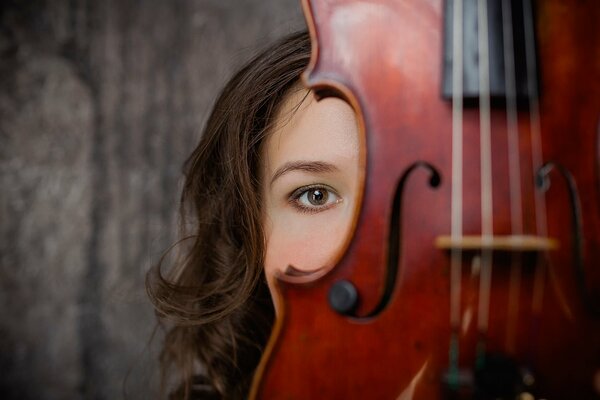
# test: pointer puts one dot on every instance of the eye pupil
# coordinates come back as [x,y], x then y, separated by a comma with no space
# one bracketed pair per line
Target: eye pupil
[317,197]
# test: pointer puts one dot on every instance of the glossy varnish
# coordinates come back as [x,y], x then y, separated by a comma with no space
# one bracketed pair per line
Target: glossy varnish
[385,59]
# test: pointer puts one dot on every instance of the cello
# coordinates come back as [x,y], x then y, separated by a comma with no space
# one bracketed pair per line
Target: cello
[474,267]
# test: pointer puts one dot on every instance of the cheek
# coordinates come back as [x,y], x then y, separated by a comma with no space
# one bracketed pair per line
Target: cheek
[308,243]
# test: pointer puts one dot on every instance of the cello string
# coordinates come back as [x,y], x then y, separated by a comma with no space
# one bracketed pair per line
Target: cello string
[486,172]
[536,144]
[457,186]
[514,170]
[457,166]
[512,125]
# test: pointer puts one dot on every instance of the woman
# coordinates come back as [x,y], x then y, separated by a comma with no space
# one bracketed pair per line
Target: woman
[269,190]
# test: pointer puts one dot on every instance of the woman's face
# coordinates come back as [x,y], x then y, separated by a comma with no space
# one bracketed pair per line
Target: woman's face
[310,182]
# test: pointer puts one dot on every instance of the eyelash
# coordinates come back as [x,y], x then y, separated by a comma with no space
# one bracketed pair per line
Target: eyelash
[294,199]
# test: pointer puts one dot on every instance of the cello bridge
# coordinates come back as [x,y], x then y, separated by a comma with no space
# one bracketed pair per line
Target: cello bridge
[510,243]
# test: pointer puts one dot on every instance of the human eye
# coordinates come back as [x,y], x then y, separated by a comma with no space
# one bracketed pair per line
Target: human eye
[314,198]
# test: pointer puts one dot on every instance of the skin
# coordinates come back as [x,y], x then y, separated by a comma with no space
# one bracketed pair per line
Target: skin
[310,182]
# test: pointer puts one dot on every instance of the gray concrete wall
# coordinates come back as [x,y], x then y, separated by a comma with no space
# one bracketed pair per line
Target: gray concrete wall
[100,101]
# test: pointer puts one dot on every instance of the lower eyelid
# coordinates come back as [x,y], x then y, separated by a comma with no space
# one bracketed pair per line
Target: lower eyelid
[313,210]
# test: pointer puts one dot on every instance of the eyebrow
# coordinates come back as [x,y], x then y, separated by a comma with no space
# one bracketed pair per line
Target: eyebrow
[308,166]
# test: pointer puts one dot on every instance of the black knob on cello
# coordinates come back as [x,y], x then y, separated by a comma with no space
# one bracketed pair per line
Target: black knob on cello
[343,297]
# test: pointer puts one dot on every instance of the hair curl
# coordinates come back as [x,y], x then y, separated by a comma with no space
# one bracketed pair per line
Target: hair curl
[214,299]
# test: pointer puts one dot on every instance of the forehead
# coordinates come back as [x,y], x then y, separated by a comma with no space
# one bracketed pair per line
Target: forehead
[307,129]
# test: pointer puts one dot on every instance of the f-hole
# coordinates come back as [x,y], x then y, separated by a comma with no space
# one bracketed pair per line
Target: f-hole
[344,297]
[543,183]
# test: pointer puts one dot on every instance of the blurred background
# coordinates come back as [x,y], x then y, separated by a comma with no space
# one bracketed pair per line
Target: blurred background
[100,102]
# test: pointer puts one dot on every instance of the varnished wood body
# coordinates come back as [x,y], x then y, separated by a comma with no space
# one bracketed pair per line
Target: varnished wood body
[384,58]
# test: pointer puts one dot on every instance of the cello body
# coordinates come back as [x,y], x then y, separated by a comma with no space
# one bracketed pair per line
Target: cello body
[397,341]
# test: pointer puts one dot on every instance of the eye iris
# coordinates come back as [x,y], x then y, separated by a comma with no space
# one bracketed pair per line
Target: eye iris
[317,197]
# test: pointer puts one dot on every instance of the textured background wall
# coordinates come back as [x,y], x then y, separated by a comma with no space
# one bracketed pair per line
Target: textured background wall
[100,101]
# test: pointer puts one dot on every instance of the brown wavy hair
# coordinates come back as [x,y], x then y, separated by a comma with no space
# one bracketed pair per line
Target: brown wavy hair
[212,298]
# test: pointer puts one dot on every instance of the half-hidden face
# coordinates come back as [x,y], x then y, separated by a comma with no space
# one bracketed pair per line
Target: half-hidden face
[310,183]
